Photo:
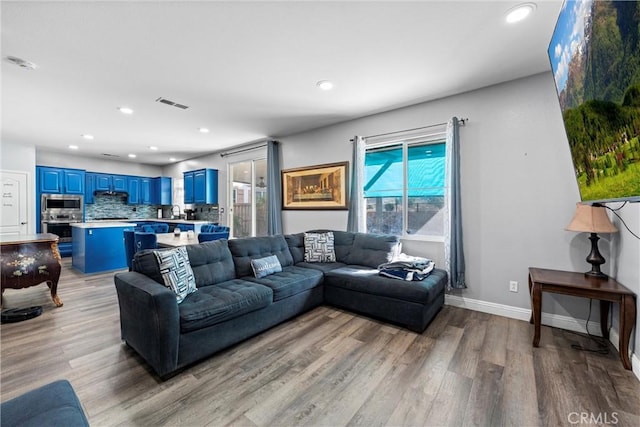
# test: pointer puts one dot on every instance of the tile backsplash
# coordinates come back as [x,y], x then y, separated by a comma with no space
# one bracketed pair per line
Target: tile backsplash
[116,207]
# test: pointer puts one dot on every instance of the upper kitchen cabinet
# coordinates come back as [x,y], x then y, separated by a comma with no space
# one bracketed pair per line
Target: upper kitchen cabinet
[89,187]
[161,191]
[145,191]
[133,188]
[60,180]
[107,182]
[201,186]
[188,187]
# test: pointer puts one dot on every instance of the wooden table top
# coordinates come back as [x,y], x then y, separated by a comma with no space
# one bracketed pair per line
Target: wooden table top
[28,238]
[171,240]
[571,279]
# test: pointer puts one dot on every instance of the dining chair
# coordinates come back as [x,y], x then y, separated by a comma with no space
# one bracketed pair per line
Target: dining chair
[144,240]
[207,237]
[129,246]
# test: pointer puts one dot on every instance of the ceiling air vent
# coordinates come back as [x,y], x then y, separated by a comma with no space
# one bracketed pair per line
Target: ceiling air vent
[173,104]
[110,155]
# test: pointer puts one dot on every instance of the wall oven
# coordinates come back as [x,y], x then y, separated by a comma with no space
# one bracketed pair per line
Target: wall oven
[58,212]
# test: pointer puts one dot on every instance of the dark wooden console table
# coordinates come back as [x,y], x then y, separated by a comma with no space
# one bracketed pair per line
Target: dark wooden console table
[28,260]
[607,290]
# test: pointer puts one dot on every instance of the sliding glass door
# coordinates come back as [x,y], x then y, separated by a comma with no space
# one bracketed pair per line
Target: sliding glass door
[248,195]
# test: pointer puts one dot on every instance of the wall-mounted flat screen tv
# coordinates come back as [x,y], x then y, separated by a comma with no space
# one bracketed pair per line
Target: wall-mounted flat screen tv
[595,58]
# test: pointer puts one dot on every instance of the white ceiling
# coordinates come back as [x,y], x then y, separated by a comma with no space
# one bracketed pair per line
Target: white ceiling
[247,70]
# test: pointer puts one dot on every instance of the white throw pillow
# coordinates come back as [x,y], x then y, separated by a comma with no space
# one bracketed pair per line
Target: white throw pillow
[319,247]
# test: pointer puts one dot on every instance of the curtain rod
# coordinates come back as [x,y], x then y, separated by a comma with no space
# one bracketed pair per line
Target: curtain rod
[229,153]
[461,122]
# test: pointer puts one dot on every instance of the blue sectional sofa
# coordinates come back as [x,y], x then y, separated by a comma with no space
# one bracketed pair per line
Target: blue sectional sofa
[232,304]
[54,404]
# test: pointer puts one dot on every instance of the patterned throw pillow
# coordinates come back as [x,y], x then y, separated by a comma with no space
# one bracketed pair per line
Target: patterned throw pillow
[319,247]
[265,266]
[176,272]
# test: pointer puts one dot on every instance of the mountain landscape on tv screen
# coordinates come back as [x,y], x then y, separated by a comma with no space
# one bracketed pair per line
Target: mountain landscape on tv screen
[595,56]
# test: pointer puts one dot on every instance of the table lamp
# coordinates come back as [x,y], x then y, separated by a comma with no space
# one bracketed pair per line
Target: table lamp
[592,219]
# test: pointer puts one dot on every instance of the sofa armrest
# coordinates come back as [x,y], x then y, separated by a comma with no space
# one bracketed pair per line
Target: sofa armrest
[149,320]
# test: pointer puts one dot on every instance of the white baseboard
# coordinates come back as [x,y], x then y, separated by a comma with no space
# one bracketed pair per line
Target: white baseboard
[553,320]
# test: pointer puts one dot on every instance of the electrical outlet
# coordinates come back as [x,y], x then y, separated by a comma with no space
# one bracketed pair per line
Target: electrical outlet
[513,286]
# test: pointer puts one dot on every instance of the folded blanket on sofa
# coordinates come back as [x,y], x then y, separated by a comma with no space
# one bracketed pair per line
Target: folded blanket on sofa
[406,267]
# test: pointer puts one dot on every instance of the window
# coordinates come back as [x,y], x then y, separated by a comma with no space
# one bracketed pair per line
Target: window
[404,188]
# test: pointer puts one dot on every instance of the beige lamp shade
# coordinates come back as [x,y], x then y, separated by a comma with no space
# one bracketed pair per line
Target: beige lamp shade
[591,219]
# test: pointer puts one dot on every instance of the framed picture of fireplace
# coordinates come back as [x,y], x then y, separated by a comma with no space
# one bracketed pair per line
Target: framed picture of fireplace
[315,187]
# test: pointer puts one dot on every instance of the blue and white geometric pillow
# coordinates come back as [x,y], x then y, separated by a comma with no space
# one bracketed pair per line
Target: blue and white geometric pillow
[176,271]
[319,247]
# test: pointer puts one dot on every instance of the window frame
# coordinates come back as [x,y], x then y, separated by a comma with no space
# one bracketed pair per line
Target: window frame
[405,143]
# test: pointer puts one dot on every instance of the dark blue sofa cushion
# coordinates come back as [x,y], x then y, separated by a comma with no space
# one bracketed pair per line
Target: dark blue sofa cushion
[220,302]
[54,404]
[290,281]
[366,280]
[373,249]
[321,266]
[211,262]
[244,250]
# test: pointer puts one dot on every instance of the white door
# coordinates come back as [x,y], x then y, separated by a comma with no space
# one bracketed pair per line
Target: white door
[13,214]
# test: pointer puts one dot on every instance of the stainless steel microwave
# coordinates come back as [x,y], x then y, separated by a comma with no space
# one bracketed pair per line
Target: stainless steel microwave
[59,202]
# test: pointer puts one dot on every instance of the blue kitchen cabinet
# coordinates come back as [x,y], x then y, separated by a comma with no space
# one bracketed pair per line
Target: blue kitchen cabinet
[89,187]
[97,248]
[133,188]
[119,183]
[73,181]
[161,191]
[201,186]
[104,182]
[145,191]
[108,182]
[188,187]
[60,180]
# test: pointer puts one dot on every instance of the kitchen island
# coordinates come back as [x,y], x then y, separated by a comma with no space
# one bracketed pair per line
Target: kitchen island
[99,246]
[182,224]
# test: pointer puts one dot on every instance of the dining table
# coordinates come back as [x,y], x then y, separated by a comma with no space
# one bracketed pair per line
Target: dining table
[171,240]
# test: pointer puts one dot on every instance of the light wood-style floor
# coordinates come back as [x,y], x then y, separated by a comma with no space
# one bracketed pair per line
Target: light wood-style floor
[327,367]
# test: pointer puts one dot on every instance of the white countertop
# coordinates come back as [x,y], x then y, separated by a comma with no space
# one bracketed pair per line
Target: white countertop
[103,224]
[174,221]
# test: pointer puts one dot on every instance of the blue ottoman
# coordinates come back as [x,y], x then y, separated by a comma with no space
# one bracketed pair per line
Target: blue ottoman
[54,404]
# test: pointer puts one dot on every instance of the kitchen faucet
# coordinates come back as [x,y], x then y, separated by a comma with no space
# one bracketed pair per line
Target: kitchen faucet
[175,206]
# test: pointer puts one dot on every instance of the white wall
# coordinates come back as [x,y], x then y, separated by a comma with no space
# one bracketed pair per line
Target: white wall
[625,260]
[68,160]
[21,158]
[518,190]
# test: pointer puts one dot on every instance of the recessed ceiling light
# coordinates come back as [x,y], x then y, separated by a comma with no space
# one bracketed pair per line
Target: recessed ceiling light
[204,130]
[73,147]
[172,159]
[325,85]
[520,12]
[153,147]
[132,155]
[87,136]
[125,110]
